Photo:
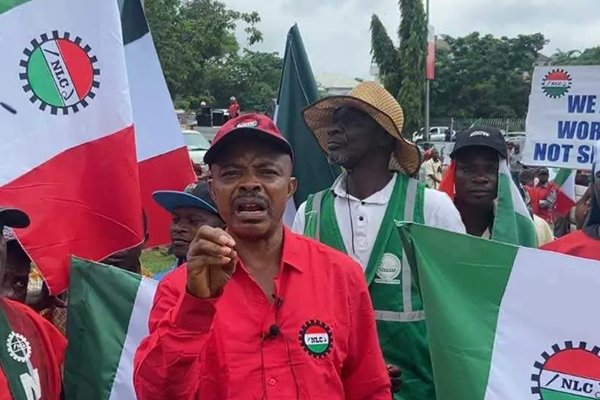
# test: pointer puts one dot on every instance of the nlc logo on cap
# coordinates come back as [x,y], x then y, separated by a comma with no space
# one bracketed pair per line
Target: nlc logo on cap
[60,73]
[247,124]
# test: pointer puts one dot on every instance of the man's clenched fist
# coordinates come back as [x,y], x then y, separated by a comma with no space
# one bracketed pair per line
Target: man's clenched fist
[211,261]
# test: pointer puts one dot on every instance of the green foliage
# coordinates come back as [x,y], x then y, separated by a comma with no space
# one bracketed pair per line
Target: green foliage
[576,57]
[484,76]
[386,55]
[402,68]
[201,58]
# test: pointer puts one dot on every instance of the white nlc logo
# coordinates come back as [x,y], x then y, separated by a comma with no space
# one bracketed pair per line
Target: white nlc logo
[389,269]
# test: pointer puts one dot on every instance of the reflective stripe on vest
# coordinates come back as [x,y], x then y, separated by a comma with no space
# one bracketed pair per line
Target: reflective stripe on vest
[408,315]
[391,316]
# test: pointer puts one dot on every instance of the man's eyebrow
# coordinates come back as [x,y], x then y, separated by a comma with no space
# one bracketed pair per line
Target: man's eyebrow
[229,165]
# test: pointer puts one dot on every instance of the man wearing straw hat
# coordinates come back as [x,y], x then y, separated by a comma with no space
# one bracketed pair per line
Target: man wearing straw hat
[362,133]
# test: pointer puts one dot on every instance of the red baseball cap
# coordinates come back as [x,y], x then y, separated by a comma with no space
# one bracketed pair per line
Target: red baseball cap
[247,124]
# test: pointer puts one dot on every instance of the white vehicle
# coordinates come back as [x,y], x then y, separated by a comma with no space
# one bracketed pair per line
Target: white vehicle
[436,134]
[197,145]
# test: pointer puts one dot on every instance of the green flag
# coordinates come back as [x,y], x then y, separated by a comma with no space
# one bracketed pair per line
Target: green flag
[506,322]
[107,318]
[297,90]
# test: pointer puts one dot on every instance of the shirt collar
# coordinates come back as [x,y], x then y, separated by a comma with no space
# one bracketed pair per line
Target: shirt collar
[292,254]
[381,197]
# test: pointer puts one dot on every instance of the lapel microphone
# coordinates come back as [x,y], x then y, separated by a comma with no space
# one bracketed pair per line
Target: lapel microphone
[274,329]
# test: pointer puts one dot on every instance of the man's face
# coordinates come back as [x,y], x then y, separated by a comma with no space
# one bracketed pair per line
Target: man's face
[543,176]
[185,224]
[16,275]
[350,137]
[129,259]
[435,154]
[476,180]
[251,184]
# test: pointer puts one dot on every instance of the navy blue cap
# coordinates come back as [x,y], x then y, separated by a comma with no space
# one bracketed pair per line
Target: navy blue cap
[195,195]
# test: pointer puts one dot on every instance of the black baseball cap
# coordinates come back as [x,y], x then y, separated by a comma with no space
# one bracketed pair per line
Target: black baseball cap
[480,136]
[195,195]
[13,217]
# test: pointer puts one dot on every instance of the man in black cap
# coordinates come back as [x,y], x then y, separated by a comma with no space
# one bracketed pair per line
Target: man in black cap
[190,209]
[480,183]
[32,349]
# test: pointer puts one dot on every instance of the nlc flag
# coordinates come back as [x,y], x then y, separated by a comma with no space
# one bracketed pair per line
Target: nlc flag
[504,322]
[108,309]
[68,154]
[164,162]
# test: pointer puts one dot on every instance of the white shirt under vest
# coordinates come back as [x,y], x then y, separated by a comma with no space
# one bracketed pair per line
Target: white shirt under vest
[367,216]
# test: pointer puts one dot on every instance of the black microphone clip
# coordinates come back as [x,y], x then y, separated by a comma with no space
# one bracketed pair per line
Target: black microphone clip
[273,332]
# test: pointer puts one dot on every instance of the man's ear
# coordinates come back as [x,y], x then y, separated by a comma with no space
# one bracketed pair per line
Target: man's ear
[211,189]
[292,187]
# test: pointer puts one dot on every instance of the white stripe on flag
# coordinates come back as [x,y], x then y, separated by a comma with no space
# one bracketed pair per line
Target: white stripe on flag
[549,299]
[122,388]
[518,202]
[157,129]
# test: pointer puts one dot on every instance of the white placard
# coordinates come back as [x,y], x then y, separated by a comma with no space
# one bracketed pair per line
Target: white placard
[563,122]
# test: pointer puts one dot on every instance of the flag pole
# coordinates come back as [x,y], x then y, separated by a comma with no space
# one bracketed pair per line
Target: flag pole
[427,133]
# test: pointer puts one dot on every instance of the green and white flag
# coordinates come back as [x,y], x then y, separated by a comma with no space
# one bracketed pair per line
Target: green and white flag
[107,318]
[506,322]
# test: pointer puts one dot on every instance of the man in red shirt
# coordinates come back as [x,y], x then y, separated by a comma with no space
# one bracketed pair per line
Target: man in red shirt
[31,349]
[584,243]
[261,312]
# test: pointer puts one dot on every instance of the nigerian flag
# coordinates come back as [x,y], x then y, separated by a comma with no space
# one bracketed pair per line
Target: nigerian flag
[507,322]
[107,318]
[297,90]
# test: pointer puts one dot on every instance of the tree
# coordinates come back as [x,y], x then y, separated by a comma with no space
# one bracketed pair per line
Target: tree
[403,68]
[484,76]
[575,57]
[200,56]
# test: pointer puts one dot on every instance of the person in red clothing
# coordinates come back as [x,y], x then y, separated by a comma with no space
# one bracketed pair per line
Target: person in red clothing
[547,193]
[31,349]
[260,312]
[234,108]
[584,243]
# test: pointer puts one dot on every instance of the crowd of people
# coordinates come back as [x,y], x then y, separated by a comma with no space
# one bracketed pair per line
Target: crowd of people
[325,309]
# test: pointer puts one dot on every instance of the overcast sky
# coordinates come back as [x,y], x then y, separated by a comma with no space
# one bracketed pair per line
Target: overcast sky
[337,38]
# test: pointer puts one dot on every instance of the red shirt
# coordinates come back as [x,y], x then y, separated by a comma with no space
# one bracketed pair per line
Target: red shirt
[54,345]
[323,342]
[234,110]
[576,244]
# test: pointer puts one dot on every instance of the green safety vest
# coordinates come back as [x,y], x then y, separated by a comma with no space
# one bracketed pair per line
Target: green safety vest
[397,303]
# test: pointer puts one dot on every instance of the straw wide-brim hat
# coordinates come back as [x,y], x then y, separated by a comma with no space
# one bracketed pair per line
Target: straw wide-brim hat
[380,105]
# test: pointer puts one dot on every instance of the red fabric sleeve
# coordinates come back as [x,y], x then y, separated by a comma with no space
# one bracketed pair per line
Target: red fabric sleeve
[364,374]
[167,295]
[55,345]
[169,363]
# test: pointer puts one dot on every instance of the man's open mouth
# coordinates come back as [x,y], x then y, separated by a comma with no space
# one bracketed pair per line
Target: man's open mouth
[250,208]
